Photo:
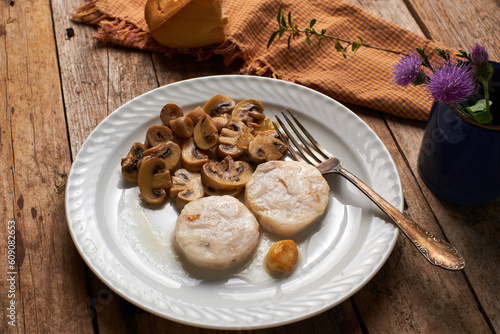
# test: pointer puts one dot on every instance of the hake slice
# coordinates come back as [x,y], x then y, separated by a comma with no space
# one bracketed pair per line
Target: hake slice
[286,196]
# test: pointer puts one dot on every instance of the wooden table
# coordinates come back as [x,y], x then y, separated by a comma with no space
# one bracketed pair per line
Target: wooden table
[58,84]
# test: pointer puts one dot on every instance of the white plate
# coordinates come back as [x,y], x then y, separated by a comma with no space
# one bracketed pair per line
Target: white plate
[128,246]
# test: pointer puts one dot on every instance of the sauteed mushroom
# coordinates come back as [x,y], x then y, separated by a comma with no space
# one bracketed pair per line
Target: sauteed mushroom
[157,134]
[170,112]
[205,133]
[266,147]
[186,187]
[182,126]
[250,112]
[192,157]
[218,105]
[209,191]
[168,151]
[196,115]
[234,140]
[227,174]
[282,257]
[129,163]
[220,122]
[154,180]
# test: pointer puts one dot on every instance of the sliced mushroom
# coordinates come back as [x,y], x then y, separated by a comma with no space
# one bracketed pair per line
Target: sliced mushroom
[266,147]
[196,115]
[182,126]
[129,163]
[154,181]
[250,112]
[168,151]
[192,157]
[263,125]
[220,122]
[157,134]
[186,187]
[234,140]
[205,133]
[227,174]
[170,112]
[218,105]
[209,191]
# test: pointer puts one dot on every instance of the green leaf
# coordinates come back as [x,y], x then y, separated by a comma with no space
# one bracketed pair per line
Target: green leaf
[359,39]
[272,38]
[355,46]
[289,41]
[308,40]
[323,32]
[338,46]
[279,14]
[281,31]
[283,22]
[312,23]
[290,19]
[479,113]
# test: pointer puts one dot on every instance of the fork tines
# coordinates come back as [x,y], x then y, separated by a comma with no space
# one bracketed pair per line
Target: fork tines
[302,149]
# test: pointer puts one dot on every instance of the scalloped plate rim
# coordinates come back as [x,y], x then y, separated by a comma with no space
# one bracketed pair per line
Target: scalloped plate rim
[135,300]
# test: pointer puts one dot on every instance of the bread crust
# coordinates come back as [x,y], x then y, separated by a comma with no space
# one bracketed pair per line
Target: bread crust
[186,23]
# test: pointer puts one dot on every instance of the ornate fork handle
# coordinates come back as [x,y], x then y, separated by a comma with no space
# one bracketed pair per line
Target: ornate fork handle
[436,251]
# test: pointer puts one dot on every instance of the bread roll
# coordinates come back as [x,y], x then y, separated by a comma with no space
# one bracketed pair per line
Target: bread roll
[186,23]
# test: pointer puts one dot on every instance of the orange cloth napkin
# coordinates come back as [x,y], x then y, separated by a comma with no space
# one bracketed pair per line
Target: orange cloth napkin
[364,78]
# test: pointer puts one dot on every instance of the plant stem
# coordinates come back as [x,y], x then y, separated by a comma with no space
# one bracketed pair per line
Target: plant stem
[486,95]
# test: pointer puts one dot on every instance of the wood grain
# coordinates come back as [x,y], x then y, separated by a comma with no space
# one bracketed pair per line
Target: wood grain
[37,161]
[58,84]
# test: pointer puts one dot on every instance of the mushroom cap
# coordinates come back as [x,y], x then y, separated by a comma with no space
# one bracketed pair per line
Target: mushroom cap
[218,105]
[266,147]
[205,133]
[169,151]
[227,174]
[186,187]
[196,115]
[154,180]
[192,157]
[169,112]
[182,127]
[157,134]
[281,257]
[129,163]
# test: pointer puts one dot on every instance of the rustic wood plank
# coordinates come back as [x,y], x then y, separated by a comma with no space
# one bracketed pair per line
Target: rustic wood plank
[411,295]
[460,24]
[36,157]
[469,22]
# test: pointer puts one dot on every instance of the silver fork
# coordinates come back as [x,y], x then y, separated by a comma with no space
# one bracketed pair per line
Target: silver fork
[438,252]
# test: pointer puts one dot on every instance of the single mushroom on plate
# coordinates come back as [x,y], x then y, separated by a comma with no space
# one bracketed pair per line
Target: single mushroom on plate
[205,133]
[154,181]
[182,127]
[227,174]
[159,133]
[196,115]
[186,187]
[168,151]
[266,147]
[218,105]
[192,157]
[169,112]
[129,163]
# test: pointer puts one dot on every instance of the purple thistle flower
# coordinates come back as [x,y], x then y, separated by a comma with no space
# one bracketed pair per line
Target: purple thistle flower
[408,70]
[452,83]
[479,55]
